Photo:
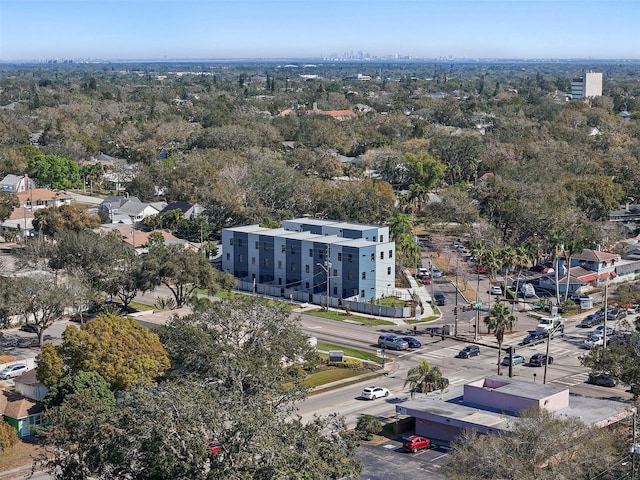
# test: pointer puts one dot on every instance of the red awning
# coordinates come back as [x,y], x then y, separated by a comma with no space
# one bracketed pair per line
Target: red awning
[604,276]
[589,278]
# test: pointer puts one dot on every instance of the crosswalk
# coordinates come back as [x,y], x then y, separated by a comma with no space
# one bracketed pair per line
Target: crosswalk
[574,379]
[447,352]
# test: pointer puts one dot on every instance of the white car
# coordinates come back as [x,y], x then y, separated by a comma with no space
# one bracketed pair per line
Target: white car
[373,392]
[436,272]
[594,341]
[12,371]
[495,290]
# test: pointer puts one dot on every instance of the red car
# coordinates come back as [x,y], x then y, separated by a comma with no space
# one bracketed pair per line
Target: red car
[479,269]
[415,443]
[214,446]
[426,280]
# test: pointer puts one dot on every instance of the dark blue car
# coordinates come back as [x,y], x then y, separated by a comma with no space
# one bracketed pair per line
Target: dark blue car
[413,343]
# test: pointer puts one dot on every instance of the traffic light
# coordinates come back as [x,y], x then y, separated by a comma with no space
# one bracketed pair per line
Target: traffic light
[455,311]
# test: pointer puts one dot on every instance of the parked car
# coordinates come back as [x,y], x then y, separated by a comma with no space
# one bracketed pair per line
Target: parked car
[440,299]
[29,327]
[600,328]
[392,342]
[214,445]
[423,272]
[539,359]
[12,371]
[436,272]
[515,360]
[594,340]
[413,342]
[415,443]
[603,380]
[426,280]
[479,269]
[495,290]
[433,331]
[373,392]
[469,351]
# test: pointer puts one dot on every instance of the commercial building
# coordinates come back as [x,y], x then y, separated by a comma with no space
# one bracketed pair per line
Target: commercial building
[587,86]
[359,259]
[492,404]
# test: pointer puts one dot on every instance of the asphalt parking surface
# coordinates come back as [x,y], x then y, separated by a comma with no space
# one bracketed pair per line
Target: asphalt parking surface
[387,461]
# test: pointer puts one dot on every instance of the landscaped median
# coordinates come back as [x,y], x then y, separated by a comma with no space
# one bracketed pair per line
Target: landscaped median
[348,317]
[358,366]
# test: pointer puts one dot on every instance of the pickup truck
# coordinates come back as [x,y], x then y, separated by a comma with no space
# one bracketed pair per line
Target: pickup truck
[550,324]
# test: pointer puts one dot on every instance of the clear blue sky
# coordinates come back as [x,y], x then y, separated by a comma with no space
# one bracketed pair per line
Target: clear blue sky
[217,29]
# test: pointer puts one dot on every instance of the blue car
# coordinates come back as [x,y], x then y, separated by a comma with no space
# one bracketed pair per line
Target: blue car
[413,343]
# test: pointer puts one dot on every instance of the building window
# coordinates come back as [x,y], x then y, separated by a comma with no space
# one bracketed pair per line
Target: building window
[293,250]
[37,419]
[381,255]
[374,238]
[362,293]
[239,242]
[364,275]
[306,269]
[257,245]
[373,257]
[381,240]
[311,252]
[339,256]
[280,264]
[306,285]
[349,258]
[293,267]
[350,276]
[388,270]
[390,253]
[335,290]
[228,256]
[284,248]
[265,262]
[321,254]
[231,241]
[253,260]
[335,272]
[240,259]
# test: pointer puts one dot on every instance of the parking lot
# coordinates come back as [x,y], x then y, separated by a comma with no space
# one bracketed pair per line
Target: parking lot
[387,461]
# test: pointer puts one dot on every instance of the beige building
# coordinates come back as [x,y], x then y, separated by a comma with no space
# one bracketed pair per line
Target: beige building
[587,86]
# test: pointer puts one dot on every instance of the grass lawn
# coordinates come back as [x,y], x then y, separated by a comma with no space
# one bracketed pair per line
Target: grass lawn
[332,315]
[350,352]
[140,306]
[327,375]
[392,302]
[423,320]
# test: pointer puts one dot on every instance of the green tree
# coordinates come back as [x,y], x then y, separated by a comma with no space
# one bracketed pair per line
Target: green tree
[426,377]
[182,271]
[7,203]
[119,349]
[50,365]
[538,445]
[51,220]
[8,436]
[55,172]
[90,382]
[368,426]
[500,320]
[41,299]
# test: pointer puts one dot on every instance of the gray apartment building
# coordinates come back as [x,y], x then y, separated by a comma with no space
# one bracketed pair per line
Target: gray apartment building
[359,259]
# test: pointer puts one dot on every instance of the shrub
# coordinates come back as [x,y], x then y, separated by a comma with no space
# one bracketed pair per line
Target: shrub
[368,426]
[8,436]
[352,363]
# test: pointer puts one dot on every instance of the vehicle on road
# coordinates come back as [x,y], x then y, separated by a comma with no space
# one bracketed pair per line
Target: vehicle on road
[436,272]
[479,269]
[589,321]
[603,380]
[495,290]
[29,327]
[423,272]
[373,392]
[539,359]
[515,360]
[534,337]
[413,342]
[392,342]
[469,351]
[439,299]
[550,324]
[415,443]
[426,280]
[527,290]
[12,371]
[434,331]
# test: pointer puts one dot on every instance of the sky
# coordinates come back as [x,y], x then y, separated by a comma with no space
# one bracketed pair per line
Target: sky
[269,29]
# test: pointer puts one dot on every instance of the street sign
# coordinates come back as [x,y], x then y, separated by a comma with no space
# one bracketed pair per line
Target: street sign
[478,305]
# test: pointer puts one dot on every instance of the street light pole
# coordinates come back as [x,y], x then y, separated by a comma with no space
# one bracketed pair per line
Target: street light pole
[327,268]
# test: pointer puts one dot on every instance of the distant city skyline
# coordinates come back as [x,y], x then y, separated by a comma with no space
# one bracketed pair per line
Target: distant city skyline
[265,29]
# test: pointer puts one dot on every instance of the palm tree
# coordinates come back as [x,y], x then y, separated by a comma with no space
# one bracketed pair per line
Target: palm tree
[507,259]
[500,320]
[521,261]
[557,248]
[570,249]
[424,375]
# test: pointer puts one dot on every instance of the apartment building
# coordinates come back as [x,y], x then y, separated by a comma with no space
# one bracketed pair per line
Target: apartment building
[587,86]
[357,259]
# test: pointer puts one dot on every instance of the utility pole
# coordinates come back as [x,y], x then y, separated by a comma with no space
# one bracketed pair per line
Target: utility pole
[606,314]
[455,309]
[327,269]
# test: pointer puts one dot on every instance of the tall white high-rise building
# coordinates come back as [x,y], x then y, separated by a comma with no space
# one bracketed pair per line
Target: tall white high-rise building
[587,86]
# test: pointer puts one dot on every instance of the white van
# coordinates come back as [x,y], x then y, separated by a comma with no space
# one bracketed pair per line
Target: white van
[527,290]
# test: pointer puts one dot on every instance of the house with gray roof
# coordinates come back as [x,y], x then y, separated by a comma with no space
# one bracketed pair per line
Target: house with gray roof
[16,183]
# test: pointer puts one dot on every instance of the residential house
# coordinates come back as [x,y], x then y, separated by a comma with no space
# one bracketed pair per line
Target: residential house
[139,240]
[16,183]
[492,405]
[22,413]
[38,198]
[129,210]
[601,266]
[189,210]
[28,385]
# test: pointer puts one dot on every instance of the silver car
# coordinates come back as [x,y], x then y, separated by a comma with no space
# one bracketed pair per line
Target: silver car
[12,371]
